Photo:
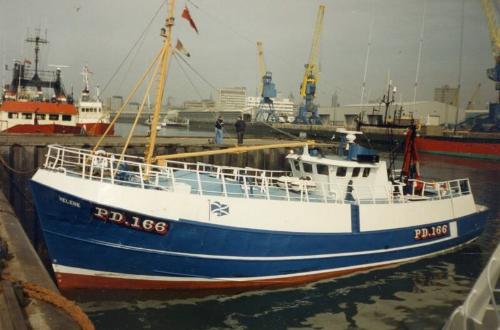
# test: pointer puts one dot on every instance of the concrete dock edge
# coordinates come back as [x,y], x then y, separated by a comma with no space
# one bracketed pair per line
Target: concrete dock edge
[27,267]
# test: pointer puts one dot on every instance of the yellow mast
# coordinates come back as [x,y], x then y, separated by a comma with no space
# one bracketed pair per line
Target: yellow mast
[166,33]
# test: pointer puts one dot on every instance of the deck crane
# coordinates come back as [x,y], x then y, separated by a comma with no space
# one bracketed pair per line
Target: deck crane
[267,90]
[311,76]
[493,73]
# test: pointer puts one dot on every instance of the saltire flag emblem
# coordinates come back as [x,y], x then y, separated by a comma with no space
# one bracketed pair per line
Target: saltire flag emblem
[187,15]
[219,209]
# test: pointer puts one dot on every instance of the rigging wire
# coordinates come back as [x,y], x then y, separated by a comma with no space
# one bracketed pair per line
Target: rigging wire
[221,22]
[229,28]
[133,46]
[176,57]
[129,68]
[198,74]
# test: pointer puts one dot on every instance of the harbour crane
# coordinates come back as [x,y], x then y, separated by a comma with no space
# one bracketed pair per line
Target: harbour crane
[493,73]
[311,76]
[474,98]
[267,90]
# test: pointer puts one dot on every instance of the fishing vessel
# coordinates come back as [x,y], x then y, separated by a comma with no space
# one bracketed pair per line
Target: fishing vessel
[481,146]
[26,107]
[91,116]
[155,222]
[36,102]
[483,140]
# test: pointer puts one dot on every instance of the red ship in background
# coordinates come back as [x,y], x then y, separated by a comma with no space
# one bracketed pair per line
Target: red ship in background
[482,139]
[36,102]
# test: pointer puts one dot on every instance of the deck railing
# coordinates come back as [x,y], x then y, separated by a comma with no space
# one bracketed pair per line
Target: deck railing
[214,180]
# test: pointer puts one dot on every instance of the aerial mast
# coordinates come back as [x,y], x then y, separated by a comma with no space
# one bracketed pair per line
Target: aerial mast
[37,40]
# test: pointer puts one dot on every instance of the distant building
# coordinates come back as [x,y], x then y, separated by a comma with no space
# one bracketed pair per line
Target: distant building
[446,94]
[232,98]
[281,106]
[231,103]
[203,104]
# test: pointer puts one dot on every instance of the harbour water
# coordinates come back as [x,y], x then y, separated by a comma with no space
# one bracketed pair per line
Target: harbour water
[418,295]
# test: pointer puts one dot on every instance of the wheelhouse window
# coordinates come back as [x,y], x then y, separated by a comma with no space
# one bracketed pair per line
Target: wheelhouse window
[13,115]
[366,172]
[307,167]
[66,117]
[40,116]
[355,172]
[53,117]
[27,115]
[322,169]
[341,171]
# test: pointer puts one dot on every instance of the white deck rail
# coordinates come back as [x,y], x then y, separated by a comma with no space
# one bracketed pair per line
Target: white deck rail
[207,179]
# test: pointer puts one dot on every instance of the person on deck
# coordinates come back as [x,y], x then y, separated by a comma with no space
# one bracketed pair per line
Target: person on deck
[219,133]
[240,126]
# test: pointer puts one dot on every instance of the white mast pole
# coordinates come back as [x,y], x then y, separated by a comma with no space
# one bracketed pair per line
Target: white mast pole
[421,42]
[363,87]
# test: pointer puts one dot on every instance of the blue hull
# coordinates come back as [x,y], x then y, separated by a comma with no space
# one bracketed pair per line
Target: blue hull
[191,254]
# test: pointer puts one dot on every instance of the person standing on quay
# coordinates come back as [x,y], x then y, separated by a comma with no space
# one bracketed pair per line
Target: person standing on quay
[219,133]
[240,126]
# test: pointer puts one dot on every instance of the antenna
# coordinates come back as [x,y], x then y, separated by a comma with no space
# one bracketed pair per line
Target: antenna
[85,72]
[37,40]
[59,66]
[421,42]
[460,56]
[366,59]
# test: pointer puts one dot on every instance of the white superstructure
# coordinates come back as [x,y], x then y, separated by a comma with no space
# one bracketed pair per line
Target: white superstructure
[90,110]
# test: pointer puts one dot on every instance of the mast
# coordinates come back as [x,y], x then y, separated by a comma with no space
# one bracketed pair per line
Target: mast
[363,87]
[166,33]
[85,74]
[457,98]
[37,40]
[420,44]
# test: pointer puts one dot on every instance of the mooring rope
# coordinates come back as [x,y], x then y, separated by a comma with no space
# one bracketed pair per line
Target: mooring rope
[21,172]
[69,307]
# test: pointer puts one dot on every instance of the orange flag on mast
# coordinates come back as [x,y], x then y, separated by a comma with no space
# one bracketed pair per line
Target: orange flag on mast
[187,15]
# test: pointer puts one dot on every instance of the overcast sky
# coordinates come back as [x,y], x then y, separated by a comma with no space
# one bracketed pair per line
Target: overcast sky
[100,34]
